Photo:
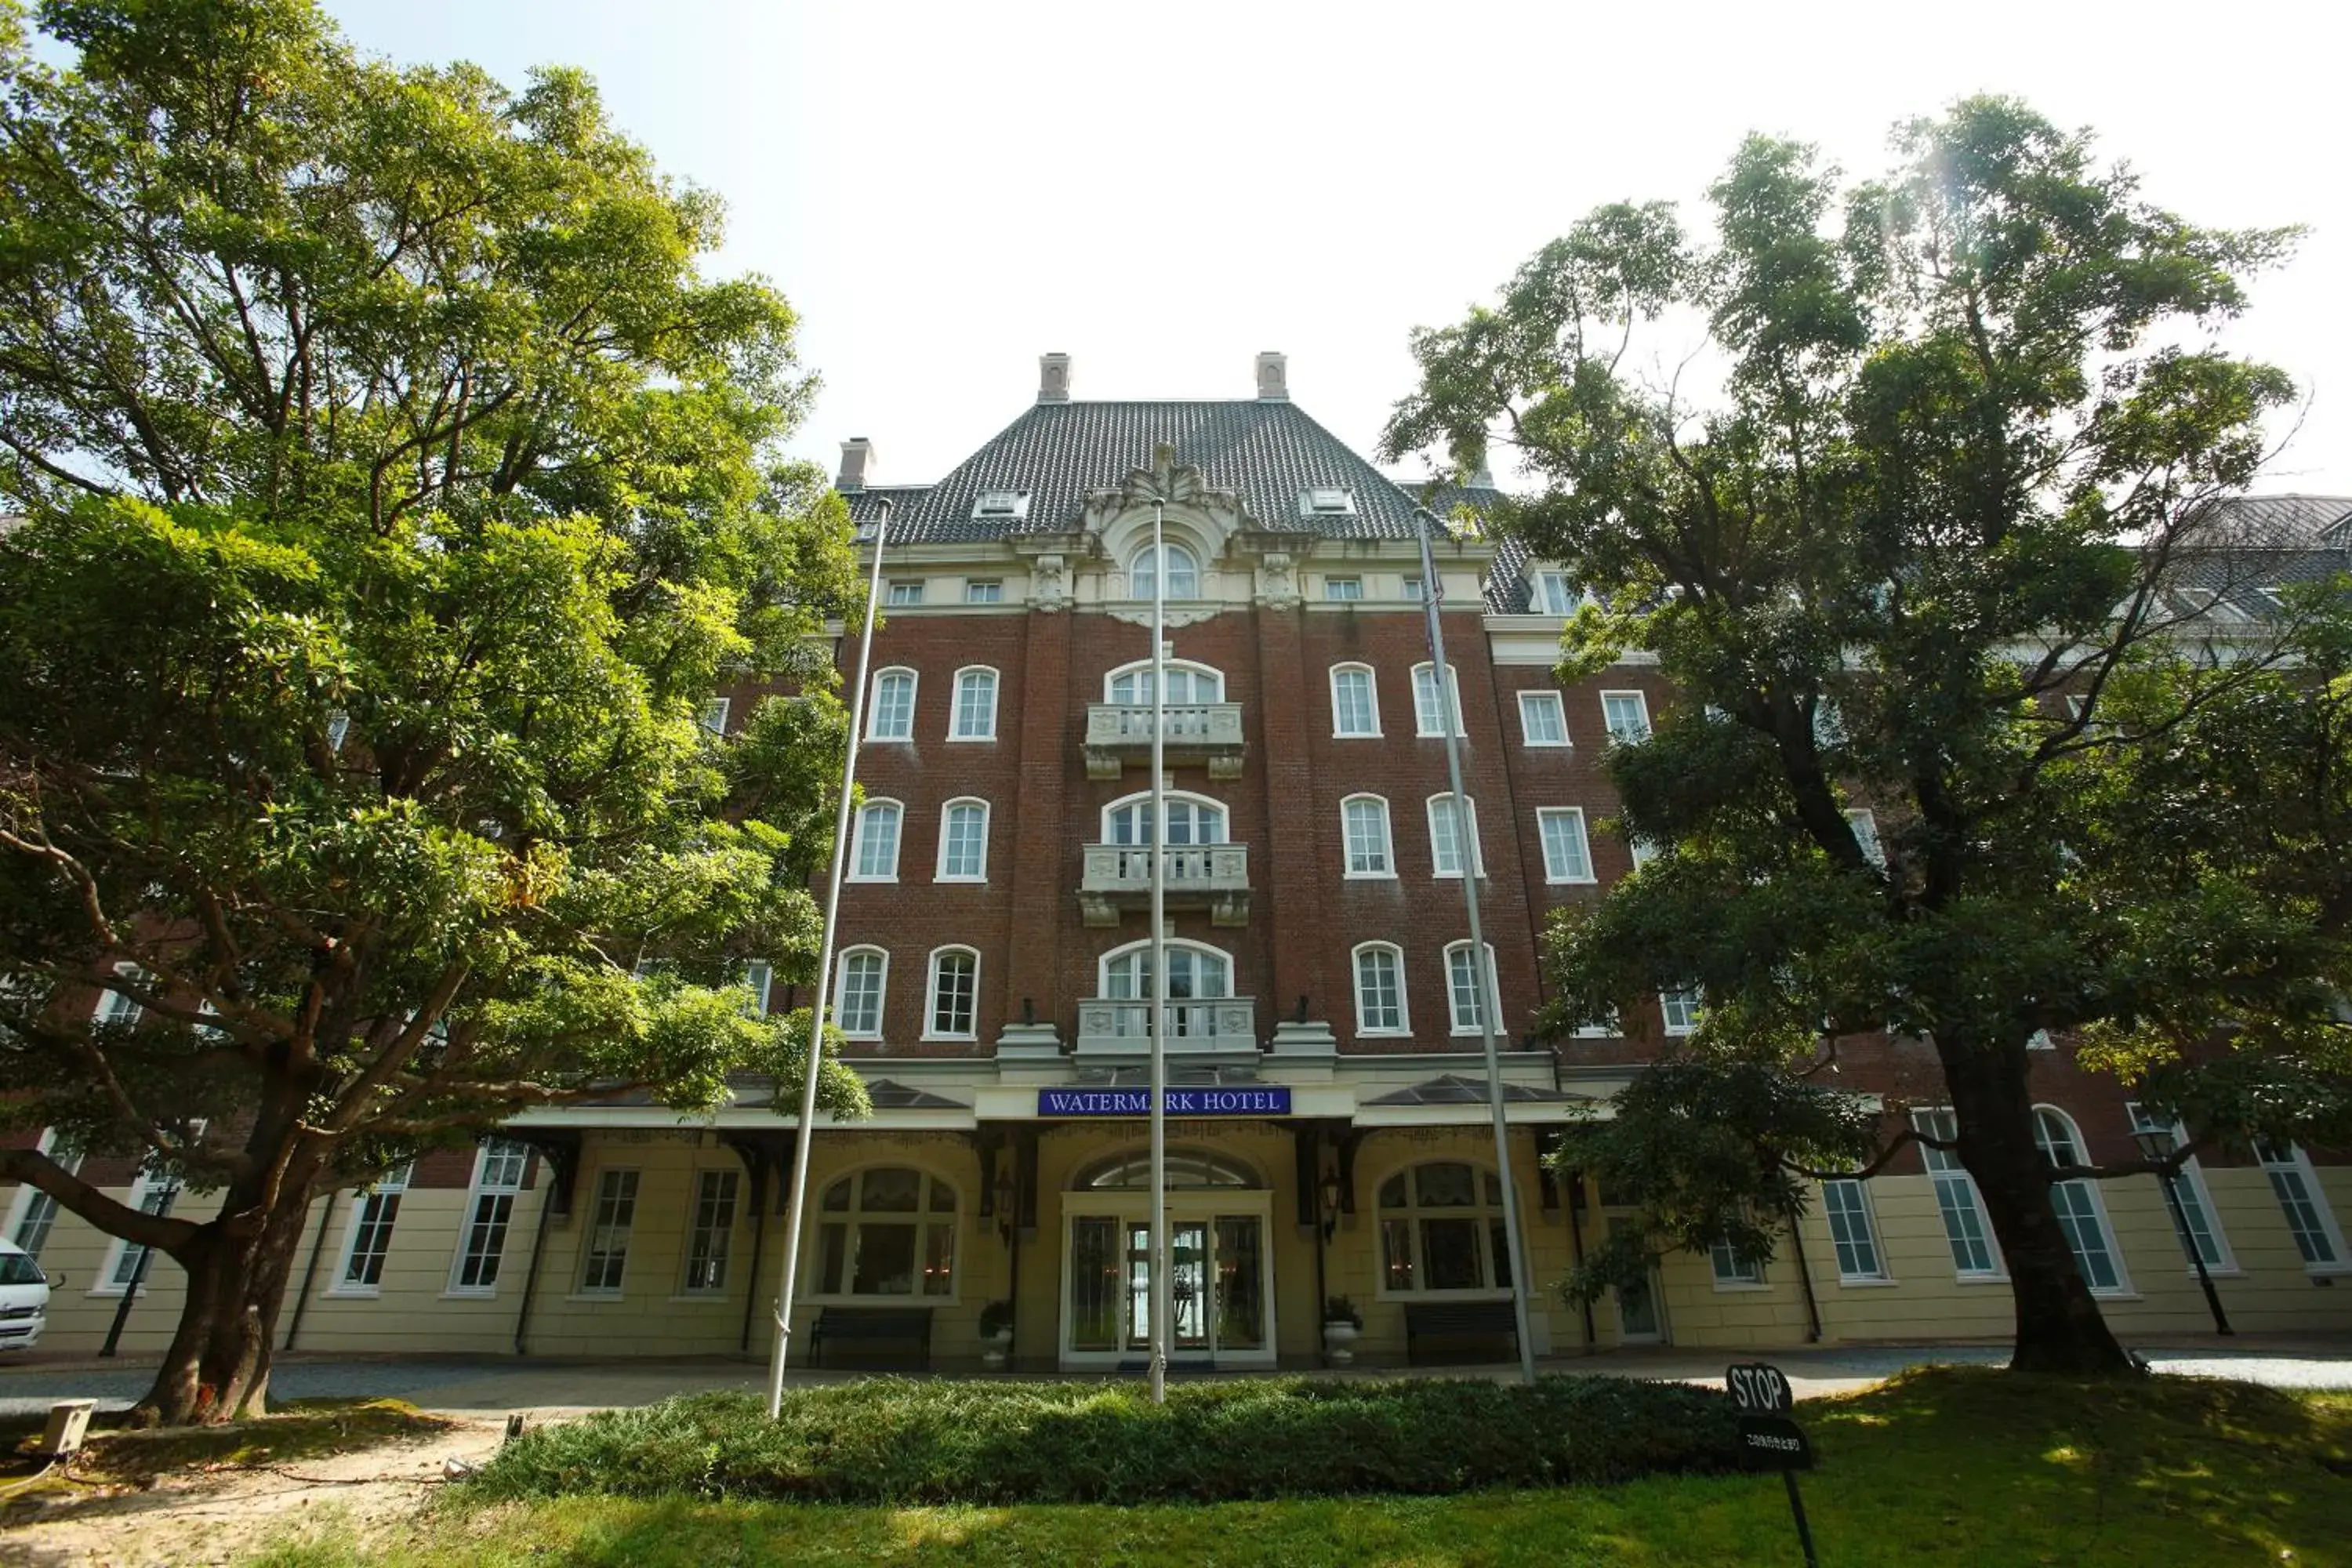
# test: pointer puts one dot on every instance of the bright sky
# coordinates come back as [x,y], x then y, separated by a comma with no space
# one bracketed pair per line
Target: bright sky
[946,191]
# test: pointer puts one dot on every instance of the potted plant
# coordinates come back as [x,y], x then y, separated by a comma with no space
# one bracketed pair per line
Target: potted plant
[995,1334]
[1341,1324]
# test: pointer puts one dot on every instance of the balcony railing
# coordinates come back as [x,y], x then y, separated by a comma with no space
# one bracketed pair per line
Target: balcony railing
[1214,877]
[1107,1027]
[1120,732]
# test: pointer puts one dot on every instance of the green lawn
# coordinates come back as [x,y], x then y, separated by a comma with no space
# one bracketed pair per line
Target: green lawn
[1943,1467]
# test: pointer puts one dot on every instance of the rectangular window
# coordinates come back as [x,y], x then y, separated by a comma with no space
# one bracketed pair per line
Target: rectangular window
[876,856]
[1731,1270]
[1956,1196]
[114,1007]
[1380,990]
[1445,843]
[2308,1218]
[759,976]
[1415,590]
[1542,720]
[369,1241]
[905,592]
[1627,716]
[150,1194]
[1462,982]
[1679,1007]
[983,591]
[1866,834]
[497,1177]
[1641,850]
[975,706]
[893,717]
[955,985]
[1368,837]
[1345,589]
[37,1215]
[1551,594]
[608,1234]
[1850,1231]
[857,1009]
[963,843]
[711,1235]
[1426,718]
[2194,1226]
[1567,856]
[1353,712]
[714,715]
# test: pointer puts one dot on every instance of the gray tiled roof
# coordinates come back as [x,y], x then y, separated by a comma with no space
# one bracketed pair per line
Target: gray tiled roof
[2285,521]
[1268,453]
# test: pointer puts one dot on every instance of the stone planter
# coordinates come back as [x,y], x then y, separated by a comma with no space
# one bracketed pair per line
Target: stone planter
[1338,1343]
[994,1350]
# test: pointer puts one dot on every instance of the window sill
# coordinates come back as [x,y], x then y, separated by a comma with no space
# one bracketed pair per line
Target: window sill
[700,1299]
[1368,877]
[889,740]
[967,881]
[1740,1287]
[456,1294]
[869,879]
[1866,1284]
[1981,1280]
[1396,1034]
[1571,882]
[949,1039]
[970,740]
[591,1296]
[2117,1295]
[353,1293]
[2315,1270]
[1355,734]
[1548,745]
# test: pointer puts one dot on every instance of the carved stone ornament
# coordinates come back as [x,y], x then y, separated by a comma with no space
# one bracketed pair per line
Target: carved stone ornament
[1278,580]
[1049,583]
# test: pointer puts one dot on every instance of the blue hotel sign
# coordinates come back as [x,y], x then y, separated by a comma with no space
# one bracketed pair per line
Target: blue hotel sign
[1256,1102]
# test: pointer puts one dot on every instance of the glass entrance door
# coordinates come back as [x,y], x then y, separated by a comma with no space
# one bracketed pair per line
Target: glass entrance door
[1637,1308]
[1218,1287]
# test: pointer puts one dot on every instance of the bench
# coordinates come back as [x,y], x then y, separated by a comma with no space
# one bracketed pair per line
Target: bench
[1458,1319]
[910,1327]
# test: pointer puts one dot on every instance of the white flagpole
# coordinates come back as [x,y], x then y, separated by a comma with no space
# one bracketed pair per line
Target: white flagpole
[807,1130]
[1466,855]
[1162,1287]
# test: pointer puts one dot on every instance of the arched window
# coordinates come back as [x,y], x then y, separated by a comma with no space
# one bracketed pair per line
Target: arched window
[953,1011]
[1445,844]
[963,841]
[1194,972]
[1364,823]
[2080,1214]
[892,717]
[886,1231]
[1462,986]
[1188,682]
[1428,713]
[974,715]
[1130,1170]
[1380,989]
[1442,1230]
[1355,704]
[874,850]
[1191,819]
[1183,572]
[857,992]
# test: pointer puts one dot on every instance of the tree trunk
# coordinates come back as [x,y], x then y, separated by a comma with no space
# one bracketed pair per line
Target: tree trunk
[2059,1326]
[217,1368]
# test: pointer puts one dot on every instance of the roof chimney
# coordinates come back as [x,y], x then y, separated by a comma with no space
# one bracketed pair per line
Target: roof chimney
[1053,378]
[857,466]
[1273,378]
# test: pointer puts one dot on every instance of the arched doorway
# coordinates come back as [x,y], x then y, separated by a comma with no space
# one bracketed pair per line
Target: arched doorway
[1221,1267]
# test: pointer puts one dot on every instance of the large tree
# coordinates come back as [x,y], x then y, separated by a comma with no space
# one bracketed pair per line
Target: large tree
[1941,539]
[395,494]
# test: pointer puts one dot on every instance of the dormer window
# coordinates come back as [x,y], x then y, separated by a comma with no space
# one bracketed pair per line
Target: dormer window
[1001,505]
[1326,501]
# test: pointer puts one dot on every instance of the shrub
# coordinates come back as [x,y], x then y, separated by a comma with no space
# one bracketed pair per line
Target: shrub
[893,1440]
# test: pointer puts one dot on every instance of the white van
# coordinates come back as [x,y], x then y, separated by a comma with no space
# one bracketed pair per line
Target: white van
[24,1297]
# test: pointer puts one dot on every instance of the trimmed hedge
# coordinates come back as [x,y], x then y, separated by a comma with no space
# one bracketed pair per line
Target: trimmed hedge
[899,1441]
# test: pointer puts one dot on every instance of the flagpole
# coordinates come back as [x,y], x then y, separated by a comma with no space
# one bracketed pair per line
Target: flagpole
[1163,1287]
[807,1130]
[1481,983]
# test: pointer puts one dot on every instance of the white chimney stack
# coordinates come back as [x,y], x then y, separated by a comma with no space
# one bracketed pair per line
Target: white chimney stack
[857,466]
[1053,378]
[1273,378]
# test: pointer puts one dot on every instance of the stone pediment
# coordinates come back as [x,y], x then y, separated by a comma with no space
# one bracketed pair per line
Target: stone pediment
[1180,489]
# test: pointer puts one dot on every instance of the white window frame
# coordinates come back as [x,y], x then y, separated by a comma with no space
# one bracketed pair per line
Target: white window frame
[931,1031]
[947,819]
[984,590]
[1000,504]
[858,840]
[1486,1212]
[1427,725]
[1533,699]
[960,706]
[714,715]
[841,989]
[1553,876]
[616,1234]
[1552,592]
[2095,1206]
[731,1177]
[1732,1272]
[1616,736]
[384,1192]
[146,1186]
[2295,1162]
[114,1007]
[1863,822]
[469,1217]
[1192,666]
[1395,955]
[1224,814]
[1346,590]
[1445,798]
[1371,702]
[1859,1215]
[760,975]
[1413,589]
[1326,501]
[31,1206]
[1642,851]
[1388,871]
[1453,999]
[1136,589]
[1955,1194]
[1679,1018]
[2192,1190]
[898,592]
[922,1216]
[874,712]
